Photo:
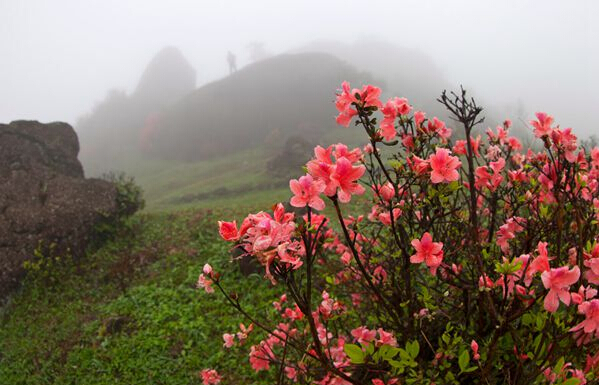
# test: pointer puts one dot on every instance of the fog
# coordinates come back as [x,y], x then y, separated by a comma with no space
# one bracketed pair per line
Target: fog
[60,58]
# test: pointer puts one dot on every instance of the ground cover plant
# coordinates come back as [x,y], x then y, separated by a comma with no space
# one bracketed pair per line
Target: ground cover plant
[476,261]
[116,316]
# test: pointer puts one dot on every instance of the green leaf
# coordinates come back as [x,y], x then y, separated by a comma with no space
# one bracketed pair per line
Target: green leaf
[355,353]
[395,364]
[560,364]
[464,360]
[370,348]
[413,348]
[571,381]
[389,352]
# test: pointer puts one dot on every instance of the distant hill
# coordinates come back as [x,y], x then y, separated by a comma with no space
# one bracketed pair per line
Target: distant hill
[406,72]
[118,126]
[268,101]
[167,78]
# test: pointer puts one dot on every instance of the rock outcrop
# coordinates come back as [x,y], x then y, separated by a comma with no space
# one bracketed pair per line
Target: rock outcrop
[44,198]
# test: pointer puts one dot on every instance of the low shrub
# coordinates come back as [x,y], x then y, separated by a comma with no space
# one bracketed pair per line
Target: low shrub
[475,262]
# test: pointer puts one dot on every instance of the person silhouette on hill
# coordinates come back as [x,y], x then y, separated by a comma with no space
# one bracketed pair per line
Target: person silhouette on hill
[232,60]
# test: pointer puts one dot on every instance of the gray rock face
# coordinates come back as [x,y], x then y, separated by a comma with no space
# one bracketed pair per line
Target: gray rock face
[44,196]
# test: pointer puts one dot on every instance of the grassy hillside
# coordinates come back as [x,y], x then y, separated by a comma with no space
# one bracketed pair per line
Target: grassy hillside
[130,313]
[240,179]
[237,178]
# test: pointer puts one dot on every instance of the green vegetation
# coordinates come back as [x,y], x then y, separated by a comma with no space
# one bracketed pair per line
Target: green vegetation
[130,313]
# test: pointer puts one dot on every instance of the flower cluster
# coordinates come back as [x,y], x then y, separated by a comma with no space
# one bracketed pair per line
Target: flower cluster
[475,260]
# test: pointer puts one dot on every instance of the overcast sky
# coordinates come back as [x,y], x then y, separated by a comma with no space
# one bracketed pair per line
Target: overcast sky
[60,57]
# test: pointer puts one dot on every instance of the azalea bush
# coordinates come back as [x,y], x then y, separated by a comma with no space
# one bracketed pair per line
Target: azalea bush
[475,261]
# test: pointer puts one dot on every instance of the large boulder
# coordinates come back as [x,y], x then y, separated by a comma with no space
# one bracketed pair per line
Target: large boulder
[45,201]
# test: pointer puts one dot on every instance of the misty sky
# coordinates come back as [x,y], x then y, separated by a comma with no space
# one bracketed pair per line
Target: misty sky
[59,58]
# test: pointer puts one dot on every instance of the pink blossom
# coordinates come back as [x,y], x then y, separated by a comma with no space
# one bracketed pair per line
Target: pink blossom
[558,282]
[346,176]
[386,338]
[474,347]
[210,377]
[444,166]
[243,332]
[507,232]
[386,191]
[228,230]
[592,262]
[229,340]
[540,264]
[341,177]
[437,126]
[205,283]
[377,381]
[368,96]
[391,110]
[514,143]
[307,192]
[485,282]
[291,373]
[542,125]
[408,141]
[420,166]
[419,117]
[363,335]
[590,325]
[428,251]
[260,356]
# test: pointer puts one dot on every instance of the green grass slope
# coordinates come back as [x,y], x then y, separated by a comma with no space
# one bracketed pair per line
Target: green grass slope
[130,312]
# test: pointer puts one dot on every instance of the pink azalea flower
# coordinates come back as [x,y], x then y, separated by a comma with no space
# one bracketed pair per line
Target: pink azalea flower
[386,338]
[363,335]
[418,165]
[369,95]
[542,125]
[428,252]
[558,282]
[408,141]
[444,166]
[514,143]
[243,332]
[342,151]
[228,230]
[260,356]
[419,117]
[540,264]
[346,177]
[507,232]
[205,283]
[590,325]
[291,373]
[592,262]
[474,347]
[210,377]
[229,340]
[376,381]
[475,143]
[460,147]
[307,192]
